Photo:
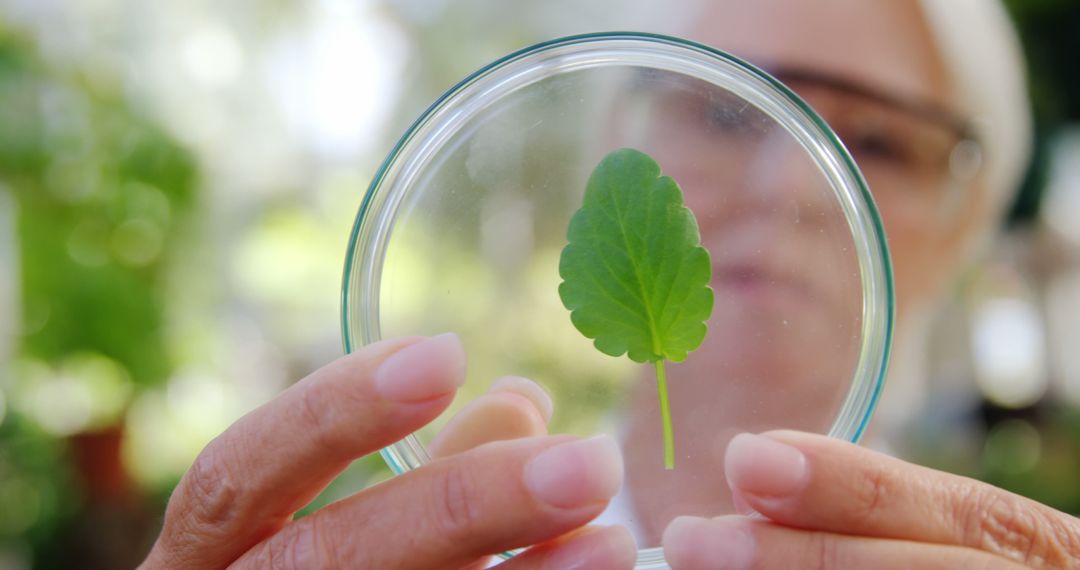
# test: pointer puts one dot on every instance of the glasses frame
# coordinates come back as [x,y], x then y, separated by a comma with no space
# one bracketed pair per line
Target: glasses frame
[963,160]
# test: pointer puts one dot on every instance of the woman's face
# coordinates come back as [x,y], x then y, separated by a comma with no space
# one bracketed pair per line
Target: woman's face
[785,333]
[785,273]
[886,48]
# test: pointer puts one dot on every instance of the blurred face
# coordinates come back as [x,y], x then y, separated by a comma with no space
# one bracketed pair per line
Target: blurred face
[785,274]
[902,141]
[785,333]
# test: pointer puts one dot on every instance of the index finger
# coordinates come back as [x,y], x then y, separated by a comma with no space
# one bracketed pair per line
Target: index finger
[249,481]
[820,483]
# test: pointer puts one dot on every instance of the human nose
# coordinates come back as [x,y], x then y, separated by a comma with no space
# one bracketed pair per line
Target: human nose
[785,181]
[774,181]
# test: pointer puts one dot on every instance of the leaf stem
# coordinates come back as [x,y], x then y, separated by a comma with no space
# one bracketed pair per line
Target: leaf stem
[665,414]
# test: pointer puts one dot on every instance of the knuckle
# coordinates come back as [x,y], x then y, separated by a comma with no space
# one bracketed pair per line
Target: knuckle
[826,552]
[313,549]
[1063,543]
[321,414]
[275,556]
[1005,524]
[870,493]
[315,417]
[299,546]
[202,511]
[1007,527]
[458,514]
[211,493]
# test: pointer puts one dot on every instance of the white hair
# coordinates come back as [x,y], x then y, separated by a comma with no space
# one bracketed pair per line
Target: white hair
[982,53]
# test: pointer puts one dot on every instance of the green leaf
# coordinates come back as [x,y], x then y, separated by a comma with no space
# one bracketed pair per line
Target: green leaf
[635,277]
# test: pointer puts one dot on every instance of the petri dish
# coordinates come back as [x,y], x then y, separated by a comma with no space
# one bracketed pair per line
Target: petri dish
[463,225]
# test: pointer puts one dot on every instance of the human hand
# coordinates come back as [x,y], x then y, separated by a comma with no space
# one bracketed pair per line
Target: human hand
[832,504]
[235,506]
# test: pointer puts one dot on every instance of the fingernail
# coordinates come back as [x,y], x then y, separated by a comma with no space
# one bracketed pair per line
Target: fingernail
[723,543]
[611,548]
[576,473]
[531,390]
[764,468]
[432,367]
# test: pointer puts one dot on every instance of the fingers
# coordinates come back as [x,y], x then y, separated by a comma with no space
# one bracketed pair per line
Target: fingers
[494,498]
[513,407]
[249,481]
[738,542]
[610,548]
[815,482]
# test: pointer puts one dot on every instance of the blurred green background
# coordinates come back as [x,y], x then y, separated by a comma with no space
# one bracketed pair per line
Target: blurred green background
[177,184]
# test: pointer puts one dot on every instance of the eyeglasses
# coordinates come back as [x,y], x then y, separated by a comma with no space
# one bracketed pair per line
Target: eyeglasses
[910,150]
[916,156]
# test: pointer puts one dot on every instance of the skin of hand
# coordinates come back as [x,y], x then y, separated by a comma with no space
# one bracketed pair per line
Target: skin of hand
[814,501]
[825,503]
[234,508]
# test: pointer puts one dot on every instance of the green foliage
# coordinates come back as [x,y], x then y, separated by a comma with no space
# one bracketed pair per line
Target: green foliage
[635,276]
[100,193]
[37,491]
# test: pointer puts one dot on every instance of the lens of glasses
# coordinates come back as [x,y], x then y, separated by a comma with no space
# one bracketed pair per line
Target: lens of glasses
[914,154]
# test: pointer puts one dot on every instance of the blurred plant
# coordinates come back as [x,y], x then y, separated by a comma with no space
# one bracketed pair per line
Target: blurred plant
[100,196]
[1036,456]
[1050,33]
[1031,445]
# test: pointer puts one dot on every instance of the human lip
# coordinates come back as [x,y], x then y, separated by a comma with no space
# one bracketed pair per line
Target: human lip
[759,284]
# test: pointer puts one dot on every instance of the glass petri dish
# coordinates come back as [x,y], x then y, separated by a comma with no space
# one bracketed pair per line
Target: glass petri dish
[462,228]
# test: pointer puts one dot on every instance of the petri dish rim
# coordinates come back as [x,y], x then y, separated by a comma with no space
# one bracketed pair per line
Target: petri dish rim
[817,138]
